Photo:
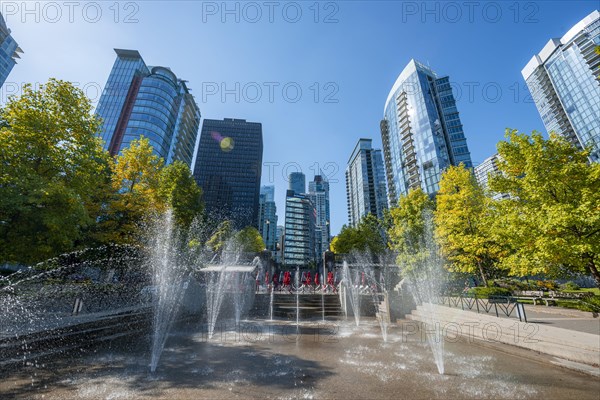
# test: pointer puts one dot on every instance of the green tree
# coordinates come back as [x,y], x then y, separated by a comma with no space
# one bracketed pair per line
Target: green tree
[179,190]
[462,223]
[552,219]
[54,172]
[367,236]
[135,193]
[249,240]
[409,230]
[216,243]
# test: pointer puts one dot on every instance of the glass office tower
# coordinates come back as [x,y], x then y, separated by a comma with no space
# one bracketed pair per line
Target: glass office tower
[297,182]
[139,100]
[267,217]
[421,132]
[564,81]
[228,169]
[365,183]
[9,51]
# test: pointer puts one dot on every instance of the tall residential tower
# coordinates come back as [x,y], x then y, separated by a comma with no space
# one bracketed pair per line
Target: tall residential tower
[421,132]
[365,183]
[9,51]
[564,81]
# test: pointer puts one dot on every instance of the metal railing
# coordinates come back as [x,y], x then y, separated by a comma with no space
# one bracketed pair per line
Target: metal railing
[506,305]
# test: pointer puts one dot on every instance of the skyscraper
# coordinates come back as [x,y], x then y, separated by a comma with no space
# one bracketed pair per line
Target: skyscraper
[487,168]
[365,183]
[421,132]
[139,100]
[297,182]
[299,238]
[9,51]
[318,192]
[564,81]
[267,217]
[228,169]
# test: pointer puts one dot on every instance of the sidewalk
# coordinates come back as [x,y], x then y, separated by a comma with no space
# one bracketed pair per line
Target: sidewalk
[565,318]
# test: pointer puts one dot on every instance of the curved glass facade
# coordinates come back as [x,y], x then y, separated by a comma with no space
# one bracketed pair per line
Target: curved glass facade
[421,132]
[150,102]
[9,51]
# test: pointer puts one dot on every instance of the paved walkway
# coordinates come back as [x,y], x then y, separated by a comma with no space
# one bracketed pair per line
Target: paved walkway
[557,317]
[563,318]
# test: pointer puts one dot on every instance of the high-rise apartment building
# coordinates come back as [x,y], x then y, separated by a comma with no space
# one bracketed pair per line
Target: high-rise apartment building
[299,238]
[365,183]
[9,51]
[228,169]
[564,81]
[318,192]
[421,132]
[139,100]
[485,170]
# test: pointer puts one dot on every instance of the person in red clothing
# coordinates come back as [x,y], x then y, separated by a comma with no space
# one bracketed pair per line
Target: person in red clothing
[308,283]
[267,280]
[317,279]
[287,280]
[275,280]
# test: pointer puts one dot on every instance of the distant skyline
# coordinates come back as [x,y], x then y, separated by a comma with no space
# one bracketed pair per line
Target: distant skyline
[344,64]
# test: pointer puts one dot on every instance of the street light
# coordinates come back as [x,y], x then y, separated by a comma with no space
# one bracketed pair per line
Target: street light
[267,244]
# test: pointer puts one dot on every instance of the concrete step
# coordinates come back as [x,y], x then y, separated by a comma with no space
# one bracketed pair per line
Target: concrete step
[558,342]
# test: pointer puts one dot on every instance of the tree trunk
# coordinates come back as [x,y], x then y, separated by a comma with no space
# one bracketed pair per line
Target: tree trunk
[482,273]
[594,271]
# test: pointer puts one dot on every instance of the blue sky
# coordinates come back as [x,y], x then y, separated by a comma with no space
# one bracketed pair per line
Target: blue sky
[343,56]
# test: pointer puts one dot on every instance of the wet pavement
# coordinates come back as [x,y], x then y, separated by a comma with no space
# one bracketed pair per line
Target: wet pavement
[261,359]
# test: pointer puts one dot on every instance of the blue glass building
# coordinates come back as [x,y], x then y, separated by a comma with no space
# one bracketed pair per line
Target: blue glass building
[139,100]
[9,51]
[421,132]
[267,218]
[564,81]
[297,182]
[228,169]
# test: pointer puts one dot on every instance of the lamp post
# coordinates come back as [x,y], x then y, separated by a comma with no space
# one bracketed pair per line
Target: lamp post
[267,240]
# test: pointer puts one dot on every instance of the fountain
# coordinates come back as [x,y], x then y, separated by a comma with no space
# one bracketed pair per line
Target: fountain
[169,283]
[353,289]
[297,281]
[426,281]
[271,306]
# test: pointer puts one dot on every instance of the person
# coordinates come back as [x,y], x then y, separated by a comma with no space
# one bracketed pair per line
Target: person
[317,280]
[275,280]
[308,282]
[330,282]
[267,280]
[287,280]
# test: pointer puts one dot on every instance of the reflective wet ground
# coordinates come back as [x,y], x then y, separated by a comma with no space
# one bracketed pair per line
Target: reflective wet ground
[262,359]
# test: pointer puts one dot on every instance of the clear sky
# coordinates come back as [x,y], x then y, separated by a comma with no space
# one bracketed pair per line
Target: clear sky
[249,60]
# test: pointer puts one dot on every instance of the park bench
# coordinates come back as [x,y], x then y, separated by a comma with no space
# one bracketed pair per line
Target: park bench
[550,297]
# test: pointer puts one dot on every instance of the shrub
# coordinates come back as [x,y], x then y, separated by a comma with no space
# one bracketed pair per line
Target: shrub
[570,286]
[486,292]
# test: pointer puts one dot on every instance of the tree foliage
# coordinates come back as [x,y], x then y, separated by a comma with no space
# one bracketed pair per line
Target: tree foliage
[249,240]
[367,236]
[53,172]
[135,193]
[178,189]
[463,219]
[552,219]
[410,230]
